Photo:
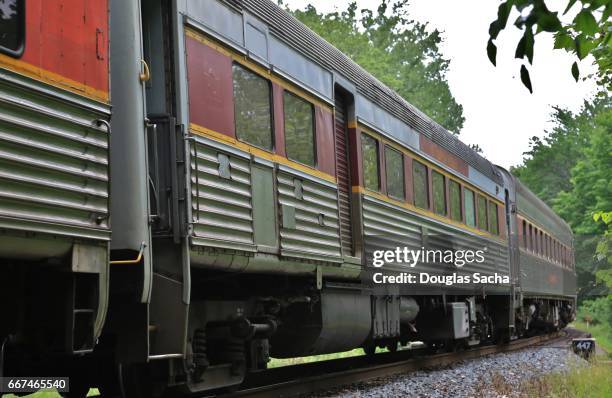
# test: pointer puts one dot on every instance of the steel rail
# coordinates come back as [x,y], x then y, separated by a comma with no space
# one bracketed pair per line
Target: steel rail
[308,378]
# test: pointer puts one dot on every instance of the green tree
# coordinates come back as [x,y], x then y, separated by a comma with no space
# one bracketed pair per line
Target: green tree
[590,32]
[569,169]
[547,166]
[397,50]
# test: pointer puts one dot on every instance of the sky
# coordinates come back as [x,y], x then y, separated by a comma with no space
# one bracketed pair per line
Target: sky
[501,115]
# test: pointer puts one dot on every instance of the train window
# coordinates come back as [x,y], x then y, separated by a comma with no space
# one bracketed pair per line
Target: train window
[524,242]
[369,152]
[540,242]
[12,27]
[454,192]
[439,193]
[299,129]
[394,168]
[481,207]
[493,225]
[420,185]
[252,108]
[469,208]
[562,254]
[552,248]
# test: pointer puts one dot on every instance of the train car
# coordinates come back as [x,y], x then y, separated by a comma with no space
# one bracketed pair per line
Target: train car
[254,170]
[544,244]
[54,182]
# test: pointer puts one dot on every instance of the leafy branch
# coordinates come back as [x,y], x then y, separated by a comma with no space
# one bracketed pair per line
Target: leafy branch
[590,32]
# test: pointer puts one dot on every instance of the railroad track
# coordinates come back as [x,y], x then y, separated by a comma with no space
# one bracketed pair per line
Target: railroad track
[294,380]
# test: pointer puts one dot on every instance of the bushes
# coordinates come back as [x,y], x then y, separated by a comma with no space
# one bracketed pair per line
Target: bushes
[596,312]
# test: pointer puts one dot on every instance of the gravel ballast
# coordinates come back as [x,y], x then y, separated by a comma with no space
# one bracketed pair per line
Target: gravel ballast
[498,375]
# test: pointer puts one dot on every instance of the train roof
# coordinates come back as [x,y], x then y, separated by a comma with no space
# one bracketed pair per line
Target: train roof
[299,37]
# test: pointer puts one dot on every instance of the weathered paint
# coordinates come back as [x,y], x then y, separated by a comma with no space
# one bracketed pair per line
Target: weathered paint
[211,109]
[66,46]
[442,155]
[211,95]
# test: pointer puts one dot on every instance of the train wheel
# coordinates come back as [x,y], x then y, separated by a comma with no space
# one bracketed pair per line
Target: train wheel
[369,349]
[392,347]
[137,382]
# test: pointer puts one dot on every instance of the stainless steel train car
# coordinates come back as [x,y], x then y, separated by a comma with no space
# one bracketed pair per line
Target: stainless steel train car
[190,187]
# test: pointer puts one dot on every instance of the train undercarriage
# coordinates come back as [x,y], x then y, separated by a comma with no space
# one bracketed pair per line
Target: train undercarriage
[237,322]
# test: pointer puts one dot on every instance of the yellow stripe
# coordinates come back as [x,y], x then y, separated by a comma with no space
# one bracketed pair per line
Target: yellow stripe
[429,164]
[52,78]
[265,73]
[214,135]
[424,212]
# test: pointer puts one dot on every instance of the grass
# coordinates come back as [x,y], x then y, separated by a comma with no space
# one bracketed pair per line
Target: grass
[601,332]
[275,362]
[594,381]
[48,394]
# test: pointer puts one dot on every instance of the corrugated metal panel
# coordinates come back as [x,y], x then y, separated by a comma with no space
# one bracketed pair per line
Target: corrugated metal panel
[387,226]
[221,207]
[316,233]
[53,160]
[343,174]
[299,37]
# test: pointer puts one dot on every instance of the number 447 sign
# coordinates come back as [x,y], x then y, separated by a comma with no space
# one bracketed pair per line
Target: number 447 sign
[584,347]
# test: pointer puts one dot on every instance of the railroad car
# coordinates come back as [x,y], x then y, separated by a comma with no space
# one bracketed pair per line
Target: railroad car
[250,170]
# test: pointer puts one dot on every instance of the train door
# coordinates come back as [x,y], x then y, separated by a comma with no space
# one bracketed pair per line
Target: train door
[166,181]
[343,173]
[513,250]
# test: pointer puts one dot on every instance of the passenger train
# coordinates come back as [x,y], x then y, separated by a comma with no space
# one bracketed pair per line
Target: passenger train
[190,187]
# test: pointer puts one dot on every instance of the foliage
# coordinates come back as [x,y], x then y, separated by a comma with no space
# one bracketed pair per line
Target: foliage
[52,394]
[604,246]
[598,311]
[396,50]
[570,170]
[590,32]
[581,382]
